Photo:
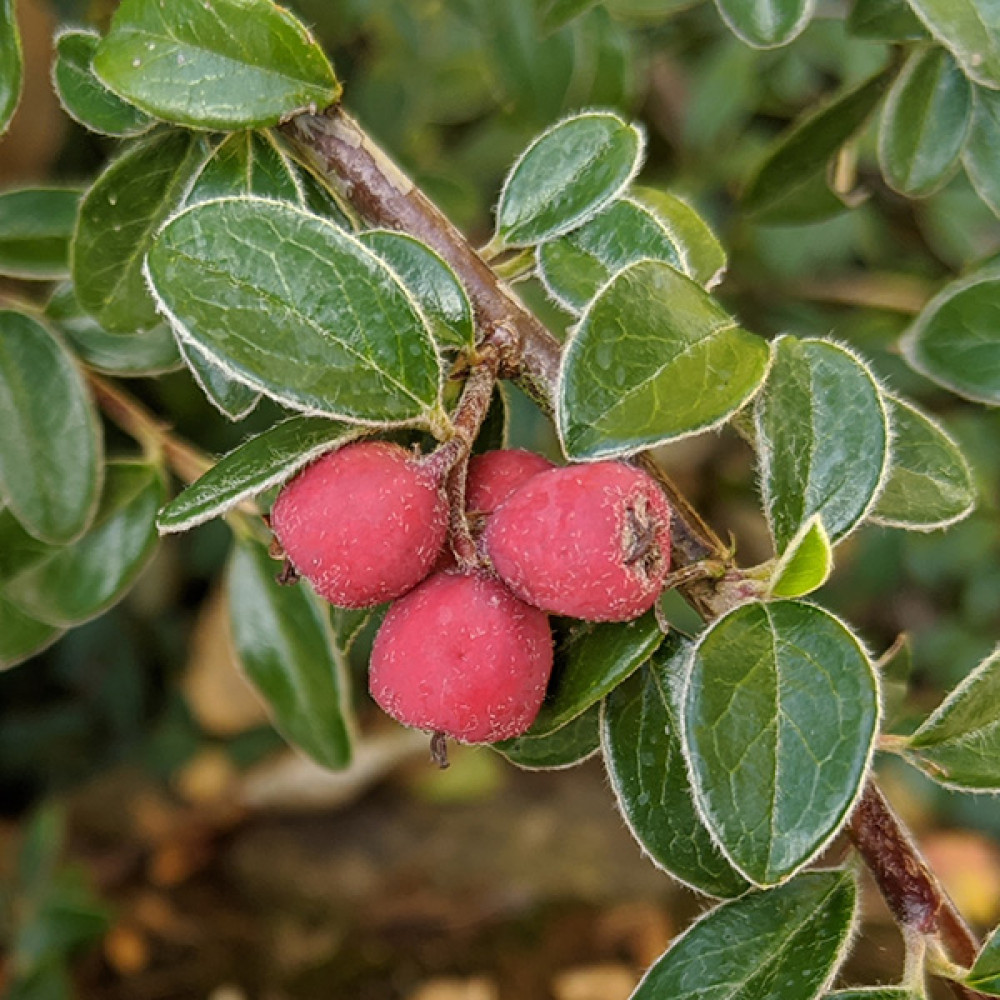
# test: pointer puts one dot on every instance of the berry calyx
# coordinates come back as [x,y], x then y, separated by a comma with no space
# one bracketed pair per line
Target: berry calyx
[364,524]
[461,655]
[588,541]
[495,475]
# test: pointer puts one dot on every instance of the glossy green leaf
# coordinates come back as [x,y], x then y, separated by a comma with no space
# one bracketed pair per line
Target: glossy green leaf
[230,64]
[118,218]
[959,745]
[985,972]
[885,21]
[75,583]
[148,352]
[294,307]
[982,148]
[641,742]
[321,200]
[780,716]
[22,636]
[35,229]
[231,398]
[247,163]
[701,252]
[255,466]
[50,442]
[925,122]
[347,625]
[567,175]
[822,439]
[955,341]
[594,659]
[11,64]
[766,24]
[653,359]
[930,483]
[431,282]
[286,648]
[806,564]
[567,746]
[790,184]
[970,30]
[576,266]
[84,98]
[784,944]
[873,993]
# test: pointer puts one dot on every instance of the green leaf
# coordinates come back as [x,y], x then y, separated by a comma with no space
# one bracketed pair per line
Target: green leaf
[970,30]
[321,200]
[148,352]
[567,175]
[431,282]
[554,14]
[766,24]
[822,439]
[231,398]
[885,21]
[784,944]
[701,252]
[925,122]
[873,993]
[959,745]
[287,651]
[35,229]
[83,97]
[790,184]
[347,624]
[11,64]
[806,563]
[985,972]
[229,65]
[573,268]
[80,581]
[653,359]
[22,636]
[50,442]
[255,466]
[294,307]
[593,660]
[567,746]
[247,163]
[982,148]
[118,218]
[930,483]
[955,341]
[780,715]
[641,742]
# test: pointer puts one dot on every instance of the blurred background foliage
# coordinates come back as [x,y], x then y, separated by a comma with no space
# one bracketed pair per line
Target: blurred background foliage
[454,89]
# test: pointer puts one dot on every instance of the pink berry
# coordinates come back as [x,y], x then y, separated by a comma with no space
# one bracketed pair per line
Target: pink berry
[363,524]
[588,541]
[461,655]
[494,475]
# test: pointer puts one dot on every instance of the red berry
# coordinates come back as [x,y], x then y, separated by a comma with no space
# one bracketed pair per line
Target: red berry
[494,475]
[588,541]
[461,655]
[363,524]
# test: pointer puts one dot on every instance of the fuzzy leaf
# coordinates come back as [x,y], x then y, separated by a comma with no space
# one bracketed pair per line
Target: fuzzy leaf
[231,398]
[641,741]
[959,745]
[84,98]
[567,175]
[970,30]
[650,332]
[50,442]
[35,229]
[571,744]
[955,341]
[924,123]
[780,945]
[930,483]
[806,564]
[286,648]
[229,65]
[780,715]
[873,993]
[982,148]
[290,305]
[253,467]
[11,64]
[766,24]
[247,163]
[822,439]
[985,972]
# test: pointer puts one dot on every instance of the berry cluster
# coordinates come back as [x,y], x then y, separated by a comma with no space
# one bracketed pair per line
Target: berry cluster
[465,650]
